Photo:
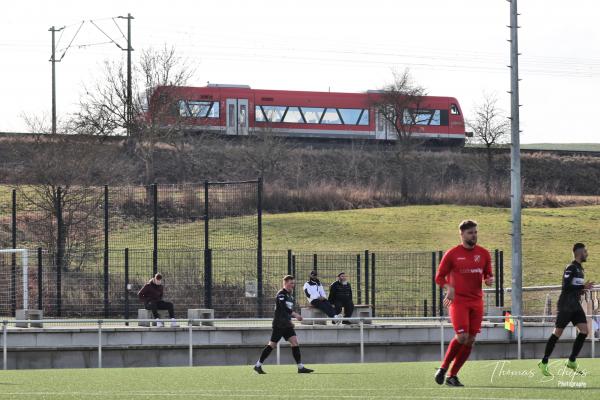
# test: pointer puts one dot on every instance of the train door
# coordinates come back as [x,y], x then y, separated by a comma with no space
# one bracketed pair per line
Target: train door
[381,127]
[237,116]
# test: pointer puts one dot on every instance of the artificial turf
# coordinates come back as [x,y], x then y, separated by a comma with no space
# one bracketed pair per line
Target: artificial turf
[483,380]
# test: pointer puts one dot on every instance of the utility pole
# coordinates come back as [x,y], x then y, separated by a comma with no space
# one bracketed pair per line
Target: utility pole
[53,61]
[515,161]
[129,101]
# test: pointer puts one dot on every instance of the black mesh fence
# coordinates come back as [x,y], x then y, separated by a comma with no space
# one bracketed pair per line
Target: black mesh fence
[228,281]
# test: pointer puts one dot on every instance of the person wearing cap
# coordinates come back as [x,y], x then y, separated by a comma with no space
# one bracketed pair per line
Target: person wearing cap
[340,295]
[152,297]
[317,298]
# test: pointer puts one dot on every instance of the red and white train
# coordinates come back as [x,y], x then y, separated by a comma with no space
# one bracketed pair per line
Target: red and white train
[240,110]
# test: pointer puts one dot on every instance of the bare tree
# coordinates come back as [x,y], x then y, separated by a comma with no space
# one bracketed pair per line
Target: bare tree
[398,103]
[155,113]
[63,170]
[491,128]
[266,151]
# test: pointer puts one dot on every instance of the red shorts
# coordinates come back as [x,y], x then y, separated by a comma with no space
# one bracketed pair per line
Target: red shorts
[466,316]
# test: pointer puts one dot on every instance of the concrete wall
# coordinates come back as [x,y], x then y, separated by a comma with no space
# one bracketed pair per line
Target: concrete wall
[139,347]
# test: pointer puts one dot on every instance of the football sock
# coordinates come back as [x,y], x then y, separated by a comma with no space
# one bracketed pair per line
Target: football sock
[461,357]
[265,353]
[577,345]
[296,354]
[452,351]
[549,347]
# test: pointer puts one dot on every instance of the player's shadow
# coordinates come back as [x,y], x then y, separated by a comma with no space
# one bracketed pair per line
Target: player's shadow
[329,373]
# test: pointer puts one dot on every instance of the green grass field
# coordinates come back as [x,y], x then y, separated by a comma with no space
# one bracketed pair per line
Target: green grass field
[482,379]
[548,234]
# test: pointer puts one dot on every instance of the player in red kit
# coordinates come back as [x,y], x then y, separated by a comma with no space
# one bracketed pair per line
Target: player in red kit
[461,272]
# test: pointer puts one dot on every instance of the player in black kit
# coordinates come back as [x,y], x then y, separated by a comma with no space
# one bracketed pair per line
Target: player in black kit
[569,309]
[283,326]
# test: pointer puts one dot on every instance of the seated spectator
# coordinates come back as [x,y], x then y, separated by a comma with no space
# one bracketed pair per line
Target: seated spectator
[152,297]
[340,295]
[316,296]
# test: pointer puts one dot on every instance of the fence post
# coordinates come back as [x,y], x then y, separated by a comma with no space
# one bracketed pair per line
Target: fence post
[373,288]
[289,262]
[359,292]
[441,290]
[497,275]
[126,285]
[259,255]
[59,252]
[40,280]
[501,278]
[154,229]
[206,236]
[433,285]
[208,278]
[425,307]
[367,276]
[294,271]
[315,262]
[106,277]
[13,269]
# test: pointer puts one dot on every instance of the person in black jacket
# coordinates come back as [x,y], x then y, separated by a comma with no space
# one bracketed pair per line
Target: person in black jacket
[569,309]
[283,327]
[340,295]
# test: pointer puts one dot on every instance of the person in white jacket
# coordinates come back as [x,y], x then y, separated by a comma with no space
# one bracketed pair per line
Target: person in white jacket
[317,298]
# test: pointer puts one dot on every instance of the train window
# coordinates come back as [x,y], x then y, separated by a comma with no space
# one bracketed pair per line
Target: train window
[312,115]
[231,114]
[364,118]
[293,116]
[259,116]
[214,111]
[350,115]
[331,117]
[454,109]
[183,109]
[274,113]
[243,115]
[422,117]
[199,109]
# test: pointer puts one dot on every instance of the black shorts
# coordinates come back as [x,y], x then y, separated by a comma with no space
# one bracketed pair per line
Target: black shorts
[285,333]
[576,316]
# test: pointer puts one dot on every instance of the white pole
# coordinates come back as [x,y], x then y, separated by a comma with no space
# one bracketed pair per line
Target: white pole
[99,344]
[441,339]
[362,342]
[25,280]
[519,335]
[515,167]
[4,352]
[191,346]
[278,354]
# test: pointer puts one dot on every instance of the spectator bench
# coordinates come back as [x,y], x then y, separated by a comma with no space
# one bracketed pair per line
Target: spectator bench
[192,313]
[360,311]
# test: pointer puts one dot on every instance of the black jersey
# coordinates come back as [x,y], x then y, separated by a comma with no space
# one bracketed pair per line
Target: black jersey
[284,306]
[572,287]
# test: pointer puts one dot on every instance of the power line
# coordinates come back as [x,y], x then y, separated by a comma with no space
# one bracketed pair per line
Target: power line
[71,42]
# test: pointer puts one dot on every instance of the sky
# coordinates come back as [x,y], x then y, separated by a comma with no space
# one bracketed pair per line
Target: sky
[453,48]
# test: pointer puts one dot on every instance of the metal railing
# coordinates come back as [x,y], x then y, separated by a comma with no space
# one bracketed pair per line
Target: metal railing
[192,325]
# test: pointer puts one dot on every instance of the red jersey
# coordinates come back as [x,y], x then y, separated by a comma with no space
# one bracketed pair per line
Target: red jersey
[465,269]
